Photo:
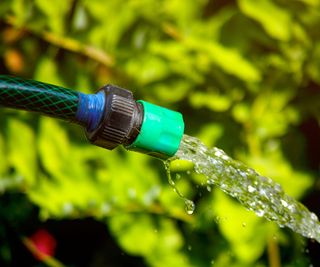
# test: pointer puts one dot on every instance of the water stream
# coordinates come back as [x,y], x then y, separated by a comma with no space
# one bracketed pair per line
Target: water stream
[257,193]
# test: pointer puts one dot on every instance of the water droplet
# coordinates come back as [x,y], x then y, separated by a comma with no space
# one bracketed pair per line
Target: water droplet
[212,262]
[244,224]
[260,213]
[225,157]
[209,188]
[262,192]
[284,203]
[210,182]
[178,176]
[313,216]
[243,174]
[251,189]
[189,247]
[189,206]
[277,187]
[291,208]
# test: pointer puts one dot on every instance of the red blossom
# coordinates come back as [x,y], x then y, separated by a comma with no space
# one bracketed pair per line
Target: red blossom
[44,243]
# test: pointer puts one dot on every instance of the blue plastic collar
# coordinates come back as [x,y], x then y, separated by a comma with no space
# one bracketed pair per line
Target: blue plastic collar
[90,109]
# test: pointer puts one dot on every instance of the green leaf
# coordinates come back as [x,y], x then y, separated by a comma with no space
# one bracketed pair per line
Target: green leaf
[55,13]
[275,20]
[147,69]
[314,64]
[3,158]
[22,10]
[167,251]
[5,6]
[114,20]
[172,92]
[191,10]
[210,133]
[213,101]
[229,60]
[22,150]
[312,3]
[136,234]
[242,228]
[80,20]
[241,112]
[47,71]
[158,241]
[53,147]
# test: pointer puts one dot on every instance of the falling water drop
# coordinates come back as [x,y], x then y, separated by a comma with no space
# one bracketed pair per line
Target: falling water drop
[189,206]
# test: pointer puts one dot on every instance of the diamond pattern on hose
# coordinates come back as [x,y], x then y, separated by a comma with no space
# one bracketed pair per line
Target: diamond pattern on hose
[39,97]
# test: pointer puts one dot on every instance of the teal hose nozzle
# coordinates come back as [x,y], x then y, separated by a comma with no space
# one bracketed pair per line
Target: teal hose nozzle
[161,131]
[137,125]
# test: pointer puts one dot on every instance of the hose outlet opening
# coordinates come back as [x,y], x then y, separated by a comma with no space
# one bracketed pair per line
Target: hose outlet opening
[161,131]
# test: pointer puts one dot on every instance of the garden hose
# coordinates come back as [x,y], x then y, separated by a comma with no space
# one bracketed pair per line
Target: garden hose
[111,117]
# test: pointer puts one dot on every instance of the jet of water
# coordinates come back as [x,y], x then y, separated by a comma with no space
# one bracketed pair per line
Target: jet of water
[257,193]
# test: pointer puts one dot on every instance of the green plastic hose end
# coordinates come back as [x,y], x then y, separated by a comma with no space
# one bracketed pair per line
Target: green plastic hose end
[161,131]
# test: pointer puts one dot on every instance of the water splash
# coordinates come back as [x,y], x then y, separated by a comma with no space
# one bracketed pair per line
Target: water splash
[188,204]
[257,193]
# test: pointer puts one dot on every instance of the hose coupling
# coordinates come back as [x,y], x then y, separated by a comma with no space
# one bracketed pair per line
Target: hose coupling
[121,119]
[137,125]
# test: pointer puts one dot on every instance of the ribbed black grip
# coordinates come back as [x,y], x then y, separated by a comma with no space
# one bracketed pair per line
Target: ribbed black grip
[121,121]
[120,114]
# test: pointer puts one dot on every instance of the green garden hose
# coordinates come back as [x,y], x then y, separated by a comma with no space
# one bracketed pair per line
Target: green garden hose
[111,117]
[35,96]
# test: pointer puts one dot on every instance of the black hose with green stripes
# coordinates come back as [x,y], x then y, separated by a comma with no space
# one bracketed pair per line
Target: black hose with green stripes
[40,97]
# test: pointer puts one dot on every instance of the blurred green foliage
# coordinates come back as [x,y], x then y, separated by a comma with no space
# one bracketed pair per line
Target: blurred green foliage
[244,73]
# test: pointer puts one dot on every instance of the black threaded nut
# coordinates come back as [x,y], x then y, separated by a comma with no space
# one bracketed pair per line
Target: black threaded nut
[121,121]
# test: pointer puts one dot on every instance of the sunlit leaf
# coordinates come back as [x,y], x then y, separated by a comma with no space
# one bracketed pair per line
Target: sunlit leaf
[53,146]
[212,101]
[229,60]
[3,158]
[55,12]
[240,227]
[137,234]
[22,153]
[275,20]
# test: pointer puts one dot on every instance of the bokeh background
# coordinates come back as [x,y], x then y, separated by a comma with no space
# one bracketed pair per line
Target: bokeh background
[246,76]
